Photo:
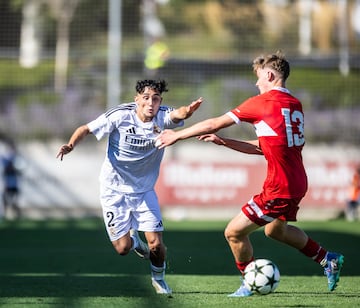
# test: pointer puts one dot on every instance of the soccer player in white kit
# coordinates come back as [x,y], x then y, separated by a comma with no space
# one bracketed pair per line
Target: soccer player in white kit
[130,170]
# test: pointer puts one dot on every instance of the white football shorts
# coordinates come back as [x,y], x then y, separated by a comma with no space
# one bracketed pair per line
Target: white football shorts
[122,212]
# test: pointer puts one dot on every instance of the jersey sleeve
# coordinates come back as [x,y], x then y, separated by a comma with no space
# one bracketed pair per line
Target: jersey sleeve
[248,111]
[101,126]
[164,114]
[111,119]
[234,117]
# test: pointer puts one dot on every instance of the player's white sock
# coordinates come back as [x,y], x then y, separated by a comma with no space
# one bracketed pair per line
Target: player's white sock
[158,273]
[135,242]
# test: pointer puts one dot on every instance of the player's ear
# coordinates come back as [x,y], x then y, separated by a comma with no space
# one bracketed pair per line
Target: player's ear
[270,75]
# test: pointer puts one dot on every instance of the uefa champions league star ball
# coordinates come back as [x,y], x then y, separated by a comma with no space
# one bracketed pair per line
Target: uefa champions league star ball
[262,276]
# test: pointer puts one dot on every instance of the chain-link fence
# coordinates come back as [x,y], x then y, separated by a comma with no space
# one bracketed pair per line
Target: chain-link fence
[55,58]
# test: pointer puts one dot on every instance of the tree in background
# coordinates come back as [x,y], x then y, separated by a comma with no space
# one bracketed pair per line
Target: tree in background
[31,34]
[63,12]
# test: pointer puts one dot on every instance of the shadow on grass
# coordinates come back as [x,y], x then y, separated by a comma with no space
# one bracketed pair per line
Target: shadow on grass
[75,247]
[73,291]
[206,252]
[75,286]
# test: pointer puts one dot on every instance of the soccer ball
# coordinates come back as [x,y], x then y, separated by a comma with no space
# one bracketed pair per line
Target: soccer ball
[261,276]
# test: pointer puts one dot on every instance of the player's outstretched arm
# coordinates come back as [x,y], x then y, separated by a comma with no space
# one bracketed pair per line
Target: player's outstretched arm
[76,137]
[248,147]
[169,137]
[185,112]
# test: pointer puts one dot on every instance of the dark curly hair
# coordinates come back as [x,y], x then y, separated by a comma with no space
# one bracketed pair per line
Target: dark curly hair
[158,85]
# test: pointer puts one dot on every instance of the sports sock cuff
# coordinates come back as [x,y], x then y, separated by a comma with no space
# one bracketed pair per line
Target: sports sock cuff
[313,250]
[135,243]
[242,265]
[158,273]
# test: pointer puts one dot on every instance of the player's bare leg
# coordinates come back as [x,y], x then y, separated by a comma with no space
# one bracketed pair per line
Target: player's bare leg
[123,245]
[139,247]
[237,234]
[157,259]
[131,241]
[287,234]
[332,262]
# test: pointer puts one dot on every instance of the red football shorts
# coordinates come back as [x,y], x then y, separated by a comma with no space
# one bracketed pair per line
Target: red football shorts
[262,211]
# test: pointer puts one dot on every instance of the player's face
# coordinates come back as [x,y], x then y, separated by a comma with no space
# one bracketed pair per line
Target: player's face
[148,104]
[264,80]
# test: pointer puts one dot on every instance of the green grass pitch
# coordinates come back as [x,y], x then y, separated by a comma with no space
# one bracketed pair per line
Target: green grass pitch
[72,264]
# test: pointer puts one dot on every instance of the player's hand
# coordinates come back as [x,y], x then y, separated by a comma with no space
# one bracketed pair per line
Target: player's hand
[166,138]
[211,138]
[190,109]
[65,149]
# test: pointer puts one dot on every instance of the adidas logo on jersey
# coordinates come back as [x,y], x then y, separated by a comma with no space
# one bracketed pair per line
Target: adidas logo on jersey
[131,130]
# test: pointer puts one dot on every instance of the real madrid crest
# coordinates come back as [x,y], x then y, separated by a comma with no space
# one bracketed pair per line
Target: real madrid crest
[157,129]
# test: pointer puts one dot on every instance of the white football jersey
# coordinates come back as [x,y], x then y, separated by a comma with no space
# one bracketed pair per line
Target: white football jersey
[132,160]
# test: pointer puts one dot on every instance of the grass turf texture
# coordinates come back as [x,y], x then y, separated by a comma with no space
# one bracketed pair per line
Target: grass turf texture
[72,264]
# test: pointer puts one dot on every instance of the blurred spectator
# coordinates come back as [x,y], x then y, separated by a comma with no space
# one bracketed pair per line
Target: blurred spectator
[156,55]
[354,195]
[11,174]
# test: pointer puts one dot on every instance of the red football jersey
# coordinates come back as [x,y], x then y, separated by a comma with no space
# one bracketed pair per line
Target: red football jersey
[278,119]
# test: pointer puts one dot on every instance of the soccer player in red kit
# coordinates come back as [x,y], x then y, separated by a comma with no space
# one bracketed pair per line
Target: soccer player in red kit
[278,119]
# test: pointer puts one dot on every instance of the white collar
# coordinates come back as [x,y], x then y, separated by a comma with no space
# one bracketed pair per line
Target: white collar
[281,89]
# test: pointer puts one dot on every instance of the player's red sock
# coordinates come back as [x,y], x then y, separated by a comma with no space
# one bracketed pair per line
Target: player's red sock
[314,251]
[242,265]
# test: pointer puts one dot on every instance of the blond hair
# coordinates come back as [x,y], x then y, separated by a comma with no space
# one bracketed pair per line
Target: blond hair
[276,62]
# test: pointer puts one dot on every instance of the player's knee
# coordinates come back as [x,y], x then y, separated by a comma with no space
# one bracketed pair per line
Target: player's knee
[269,233]
[122,248]
[155,246]
[232,234]
[227,233]
[123,251]
[273,233]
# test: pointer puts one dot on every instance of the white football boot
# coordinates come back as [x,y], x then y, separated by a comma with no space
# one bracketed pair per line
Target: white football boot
[158,280]
[243,291]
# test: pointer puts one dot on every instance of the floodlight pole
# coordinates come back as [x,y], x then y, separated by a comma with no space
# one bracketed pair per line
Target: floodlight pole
[114,54]
[344,65]
[306,7]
